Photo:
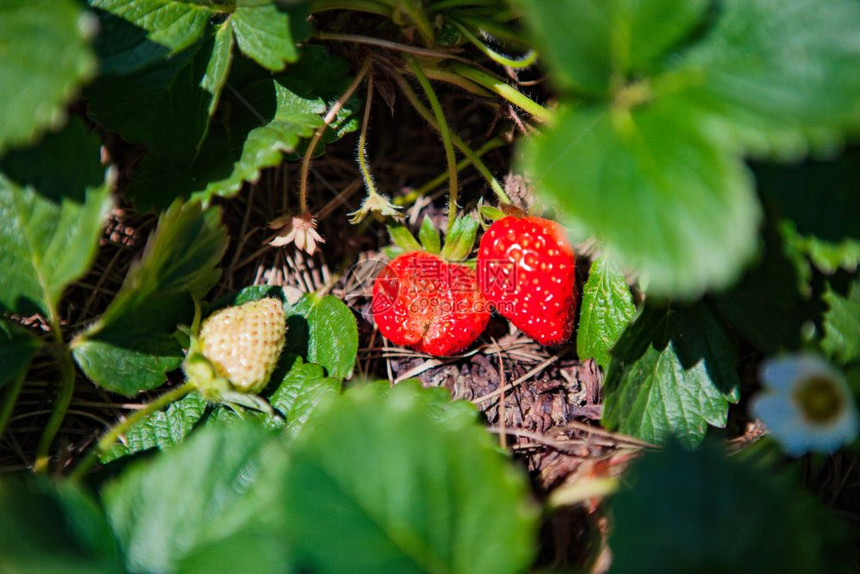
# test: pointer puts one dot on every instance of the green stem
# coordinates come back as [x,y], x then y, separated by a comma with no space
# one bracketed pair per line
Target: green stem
[497,31]
[418,17]
[461,165]
[444,75]
[64,399]
[523,61]
[12,392]
[446,4]
[445,132]
[123,426]
[498,86]
[461,145]
[368,6]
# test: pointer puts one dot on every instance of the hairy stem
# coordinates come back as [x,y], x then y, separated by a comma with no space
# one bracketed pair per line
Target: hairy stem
[110,437]
[328,119]
[362,143]
[498,86]
[445,132]
[523,61]
[461,145]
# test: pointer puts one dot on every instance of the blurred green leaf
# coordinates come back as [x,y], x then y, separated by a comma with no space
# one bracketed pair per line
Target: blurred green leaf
[161,430]
[378,484]
[207,490]
[672,373]
[702,511]
[607,308]
[842,323]
[49,528]
[776,77]
[132,345]
[17,347]
[651,185]
[46,58]
[608,37]
[54,199]
[323,330]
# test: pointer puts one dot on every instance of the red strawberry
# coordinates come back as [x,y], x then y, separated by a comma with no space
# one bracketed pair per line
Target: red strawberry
[526,270]
[433,306]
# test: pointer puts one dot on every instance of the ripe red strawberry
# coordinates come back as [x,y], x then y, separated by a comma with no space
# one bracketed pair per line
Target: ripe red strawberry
[422,301]
[526,270]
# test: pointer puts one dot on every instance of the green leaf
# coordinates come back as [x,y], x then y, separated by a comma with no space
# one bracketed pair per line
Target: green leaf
[323,330]
[460,239]
[260,119]
[378,484]
[649,183]
[174,23]
[209,489]
[54,199]
[17,347]
[263,33]
[50,528]
[726,515]
[218,67]
[842,323]
[429,236]
[672,373]
[46,58]
[607,308]
[161,430]
[777,77]
[403,238]
[132,345]
[300,392]
[611,37]
[164,105]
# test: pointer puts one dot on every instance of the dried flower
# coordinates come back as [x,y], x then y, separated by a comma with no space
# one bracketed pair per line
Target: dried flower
[300,230]
[806,404]
[374,203]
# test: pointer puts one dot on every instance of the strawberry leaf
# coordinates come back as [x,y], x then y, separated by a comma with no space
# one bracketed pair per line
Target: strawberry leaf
[429,236]
[460,239]
[672,373]
[322,330]
[263,33]
[301,390]
[54,199]
[448,500]
[160,430]
[607,308]
[172,23]
[260,119]
[45,60]
[217,491]
[842,323]
[132,345]
[403,238]
[17,347]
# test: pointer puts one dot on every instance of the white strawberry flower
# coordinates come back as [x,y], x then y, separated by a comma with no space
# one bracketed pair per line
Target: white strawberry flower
[806,404]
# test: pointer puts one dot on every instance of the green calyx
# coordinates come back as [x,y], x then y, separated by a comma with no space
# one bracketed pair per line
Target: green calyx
[458,244]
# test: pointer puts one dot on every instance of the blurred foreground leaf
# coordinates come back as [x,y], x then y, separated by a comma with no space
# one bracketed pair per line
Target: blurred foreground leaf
[45,59]
[380,484]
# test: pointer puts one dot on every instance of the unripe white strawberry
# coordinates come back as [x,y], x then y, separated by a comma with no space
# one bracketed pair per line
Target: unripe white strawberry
[243,343]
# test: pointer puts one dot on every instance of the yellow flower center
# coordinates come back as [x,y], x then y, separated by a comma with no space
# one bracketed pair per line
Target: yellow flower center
[820,400]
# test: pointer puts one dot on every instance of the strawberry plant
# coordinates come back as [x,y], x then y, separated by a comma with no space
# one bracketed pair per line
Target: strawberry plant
[429,285]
